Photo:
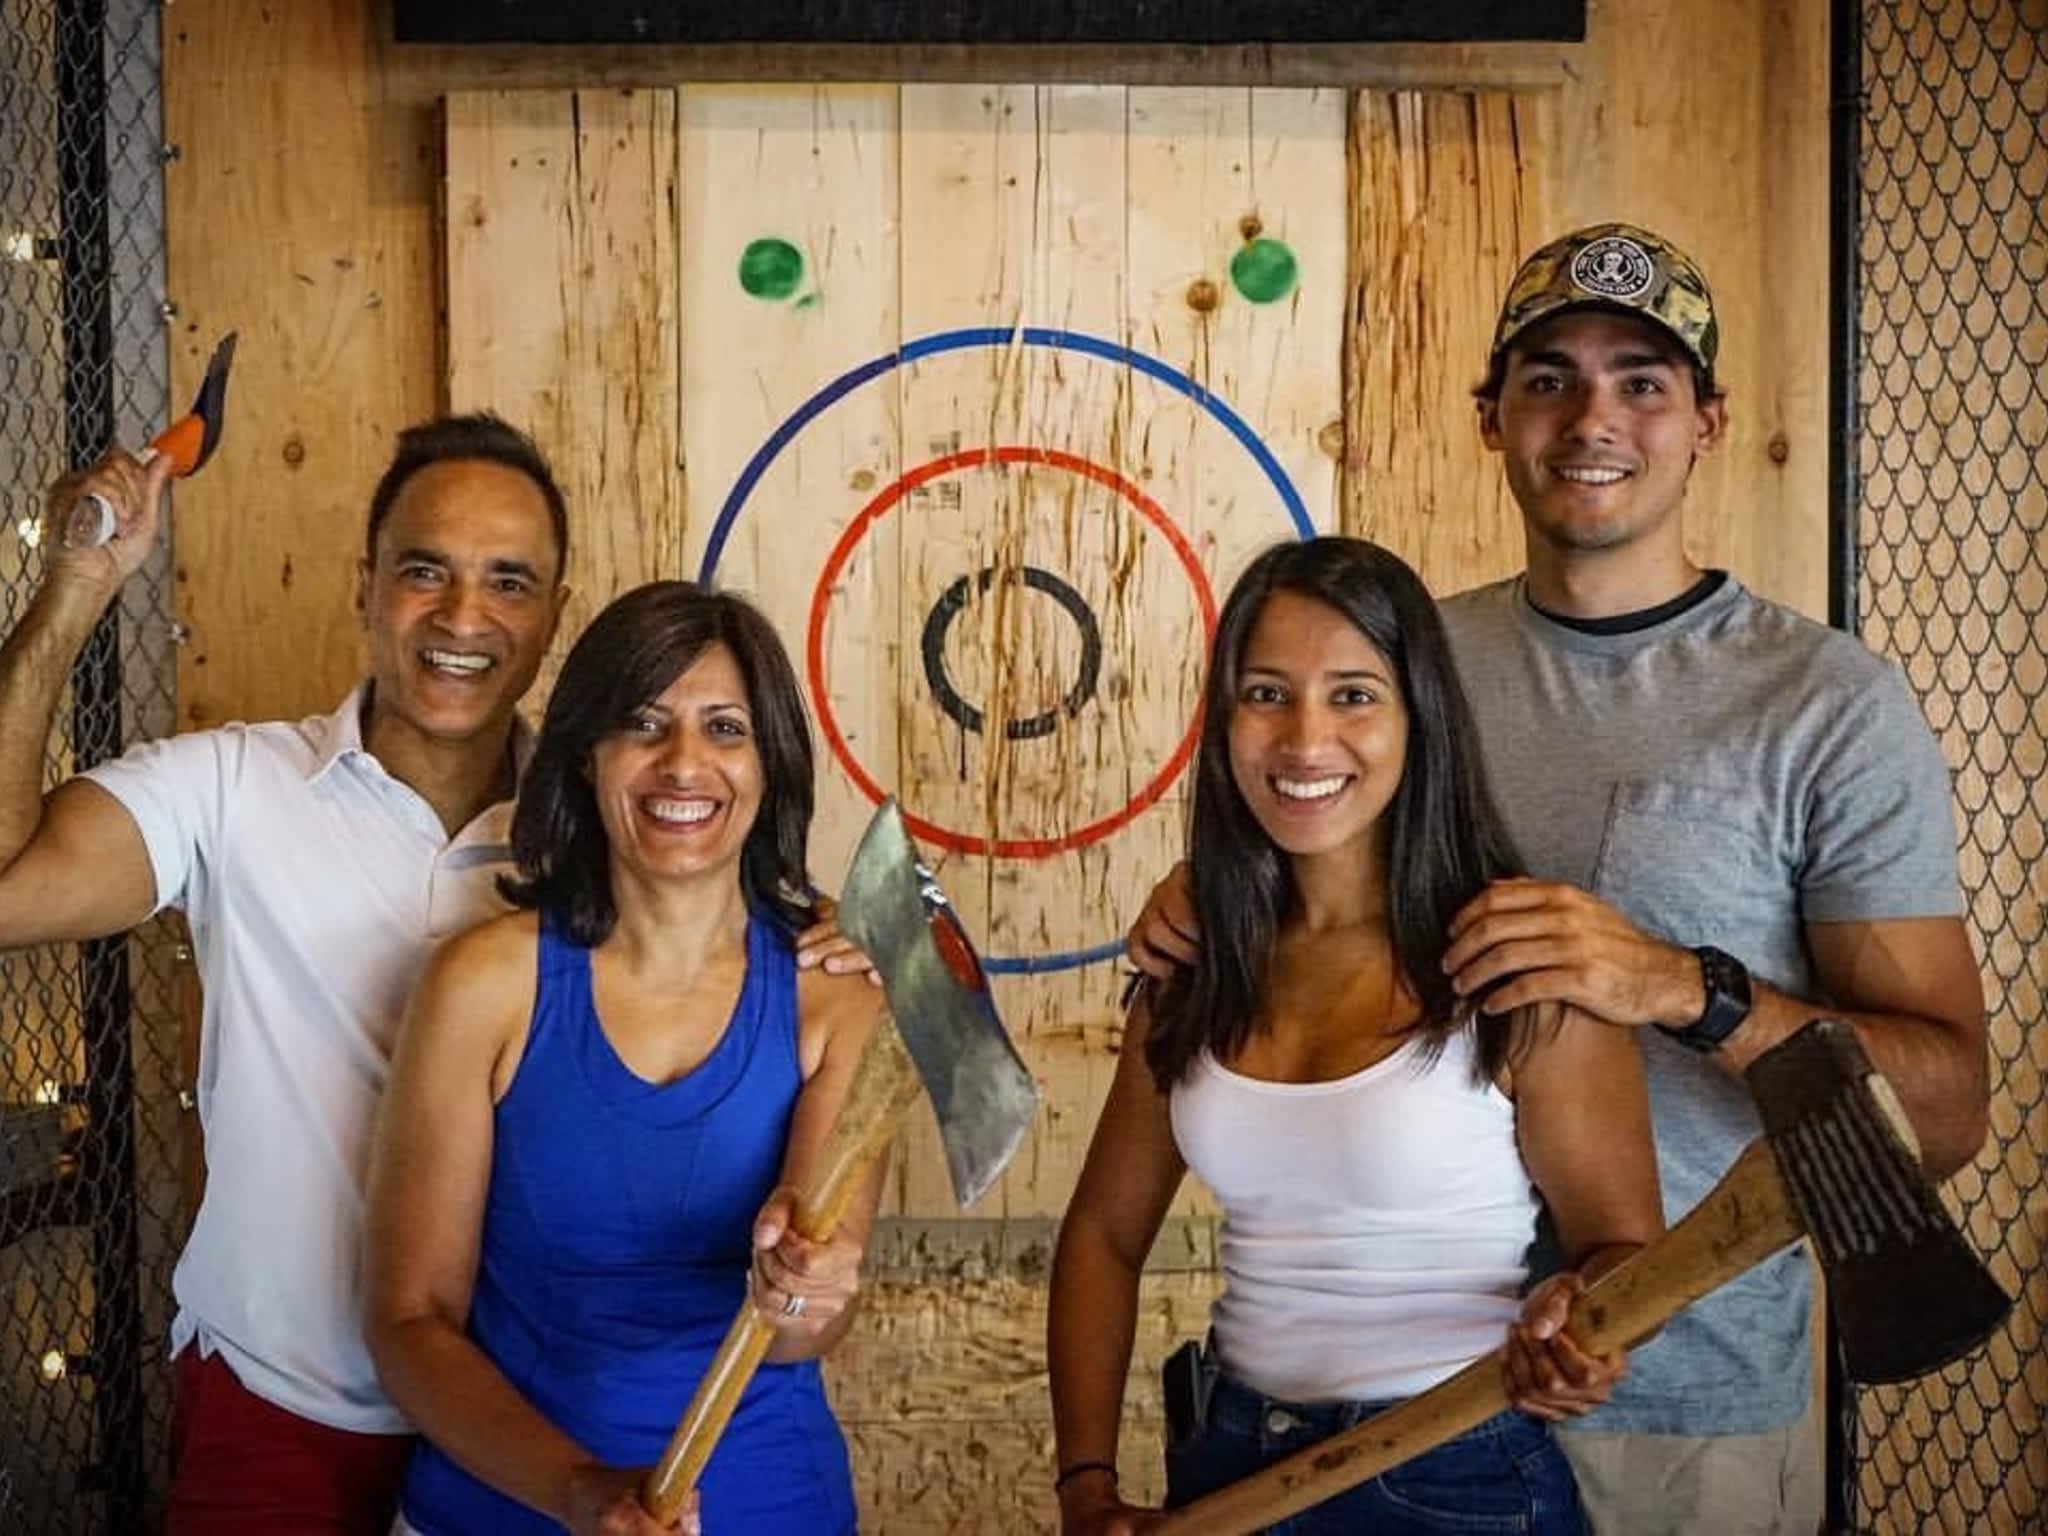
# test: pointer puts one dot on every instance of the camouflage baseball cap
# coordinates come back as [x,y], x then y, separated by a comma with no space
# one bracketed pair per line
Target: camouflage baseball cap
[1614,266]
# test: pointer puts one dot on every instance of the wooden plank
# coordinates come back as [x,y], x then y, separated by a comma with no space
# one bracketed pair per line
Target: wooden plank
[788,281]
[1018,652]
[1211,171]
[1754,506]
[1413,66]
[1101,22]
[1016,1247]
[295,214]
[1447,195]
[561,316]
[971,220]
[1216,173]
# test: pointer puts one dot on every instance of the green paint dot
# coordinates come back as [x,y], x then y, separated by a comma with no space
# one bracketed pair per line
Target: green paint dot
[1263,271]
[771,269]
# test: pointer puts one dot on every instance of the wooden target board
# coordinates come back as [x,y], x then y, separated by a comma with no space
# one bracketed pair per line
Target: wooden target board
[984,394]
[987,392]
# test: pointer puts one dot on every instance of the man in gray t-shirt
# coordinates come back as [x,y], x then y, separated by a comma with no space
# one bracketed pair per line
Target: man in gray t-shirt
[1737,820]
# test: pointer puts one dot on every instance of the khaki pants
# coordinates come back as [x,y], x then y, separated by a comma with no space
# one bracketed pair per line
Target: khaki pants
[1708,1485]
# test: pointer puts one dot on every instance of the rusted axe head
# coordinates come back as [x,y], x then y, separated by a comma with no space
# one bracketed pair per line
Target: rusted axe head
[939,997]
[1907,1292]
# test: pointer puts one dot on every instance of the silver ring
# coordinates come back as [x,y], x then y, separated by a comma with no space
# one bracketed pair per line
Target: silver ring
[793,1306]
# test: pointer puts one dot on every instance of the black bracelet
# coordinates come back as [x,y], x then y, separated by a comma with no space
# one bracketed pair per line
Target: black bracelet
[1078,1468]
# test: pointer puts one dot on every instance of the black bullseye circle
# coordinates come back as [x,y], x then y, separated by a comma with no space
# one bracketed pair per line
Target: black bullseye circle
[948,608]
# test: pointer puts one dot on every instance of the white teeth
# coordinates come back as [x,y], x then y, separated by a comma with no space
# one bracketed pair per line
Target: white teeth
[681,812]
[468,663]
[1591,476]
[1310,789]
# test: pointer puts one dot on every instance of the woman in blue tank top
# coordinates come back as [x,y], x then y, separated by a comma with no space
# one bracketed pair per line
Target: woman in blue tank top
[600,1104]
[1371,1139]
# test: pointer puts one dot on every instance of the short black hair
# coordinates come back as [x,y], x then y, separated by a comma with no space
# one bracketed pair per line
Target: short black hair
[638,645]
[477,435]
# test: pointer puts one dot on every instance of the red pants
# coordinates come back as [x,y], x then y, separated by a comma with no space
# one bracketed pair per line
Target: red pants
[241,1466]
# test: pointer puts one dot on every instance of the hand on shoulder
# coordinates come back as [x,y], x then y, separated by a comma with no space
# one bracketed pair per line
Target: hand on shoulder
[836,1013]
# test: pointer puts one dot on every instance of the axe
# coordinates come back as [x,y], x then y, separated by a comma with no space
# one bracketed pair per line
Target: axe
[189,442]
[1837,1163]
[943,1037]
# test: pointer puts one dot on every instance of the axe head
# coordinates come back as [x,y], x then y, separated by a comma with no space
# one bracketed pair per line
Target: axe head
[940,1001]
[210,406]
[1907,1292]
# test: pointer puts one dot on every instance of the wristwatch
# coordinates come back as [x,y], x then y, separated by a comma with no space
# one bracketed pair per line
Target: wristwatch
[1726,980]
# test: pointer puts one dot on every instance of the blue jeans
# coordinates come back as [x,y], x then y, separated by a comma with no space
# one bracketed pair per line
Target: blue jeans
[1506,1475]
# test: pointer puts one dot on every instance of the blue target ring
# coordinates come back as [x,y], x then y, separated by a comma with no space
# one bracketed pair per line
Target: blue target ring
[1000,336]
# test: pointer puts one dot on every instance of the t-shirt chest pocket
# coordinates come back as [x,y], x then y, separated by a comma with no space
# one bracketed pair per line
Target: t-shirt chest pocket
[1688,861]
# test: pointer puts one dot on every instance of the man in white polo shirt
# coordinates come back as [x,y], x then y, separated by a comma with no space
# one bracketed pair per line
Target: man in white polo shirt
[316,862]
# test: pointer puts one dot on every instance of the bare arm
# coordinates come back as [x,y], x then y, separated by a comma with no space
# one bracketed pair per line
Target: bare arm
[1582,1120]
[1909,986]
[839,1014]
[46,842]
[1166,935]
[429,1175]
[1127,1183]
[1911,989]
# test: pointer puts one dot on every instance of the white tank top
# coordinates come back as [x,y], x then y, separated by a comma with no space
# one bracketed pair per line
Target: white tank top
[1375,1228]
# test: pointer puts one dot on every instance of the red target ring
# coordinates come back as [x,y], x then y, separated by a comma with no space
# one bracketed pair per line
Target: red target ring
[884,502]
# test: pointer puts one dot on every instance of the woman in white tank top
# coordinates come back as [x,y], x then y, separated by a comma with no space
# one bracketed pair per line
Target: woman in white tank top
[1377,1148]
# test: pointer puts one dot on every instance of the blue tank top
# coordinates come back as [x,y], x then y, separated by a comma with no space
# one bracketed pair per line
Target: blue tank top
[616,1239]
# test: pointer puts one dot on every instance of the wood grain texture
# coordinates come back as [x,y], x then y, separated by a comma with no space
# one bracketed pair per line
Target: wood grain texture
[1721,146]
[561,260]
[300,212]
[1448,191]
[941,1389]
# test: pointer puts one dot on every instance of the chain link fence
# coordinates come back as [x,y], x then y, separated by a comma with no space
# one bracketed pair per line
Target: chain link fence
[1952,396]
[91,1133]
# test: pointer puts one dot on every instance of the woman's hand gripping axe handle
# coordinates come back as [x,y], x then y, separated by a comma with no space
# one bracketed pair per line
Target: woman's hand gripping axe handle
[943,1038]
[1838,1163]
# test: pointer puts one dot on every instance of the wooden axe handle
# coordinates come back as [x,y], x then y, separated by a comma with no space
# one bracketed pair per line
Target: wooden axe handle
[885,1085]
[1743,1220]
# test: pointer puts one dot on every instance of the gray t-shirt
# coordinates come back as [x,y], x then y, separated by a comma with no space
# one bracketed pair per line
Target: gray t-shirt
[1722,777]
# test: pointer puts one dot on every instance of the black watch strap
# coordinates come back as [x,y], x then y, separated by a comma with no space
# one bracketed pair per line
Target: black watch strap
[1726,980]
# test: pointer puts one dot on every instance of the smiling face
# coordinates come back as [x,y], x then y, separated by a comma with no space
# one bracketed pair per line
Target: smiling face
[1598,426]
[460,601]
[1318,731]
[679,784]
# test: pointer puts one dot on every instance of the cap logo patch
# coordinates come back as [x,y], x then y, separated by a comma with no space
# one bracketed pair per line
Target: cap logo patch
[1614,267]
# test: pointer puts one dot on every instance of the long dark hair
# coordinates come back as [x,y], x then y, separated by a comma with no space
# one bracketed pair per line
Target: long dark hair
[1446,838]
[632,651]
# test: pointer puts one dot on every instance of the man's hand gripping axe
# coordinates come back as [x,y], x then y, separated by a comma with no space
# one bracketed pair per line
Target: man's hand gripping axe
[188,442]
[942,1037]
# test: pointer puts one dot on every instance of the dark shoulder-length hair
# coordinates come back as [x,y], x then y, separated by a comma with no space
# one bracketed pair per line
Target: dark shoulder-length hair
[1446,838]
[626,659]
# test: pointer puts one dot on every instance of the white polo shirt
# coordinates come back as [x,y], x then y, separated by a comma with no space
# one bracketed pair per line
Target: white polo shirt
[315,885]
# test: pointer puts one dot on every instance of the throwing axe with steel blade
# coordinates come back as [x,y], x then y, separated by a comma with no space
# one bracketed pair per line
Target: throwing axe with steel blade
[1837,1162]
[942,1037]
